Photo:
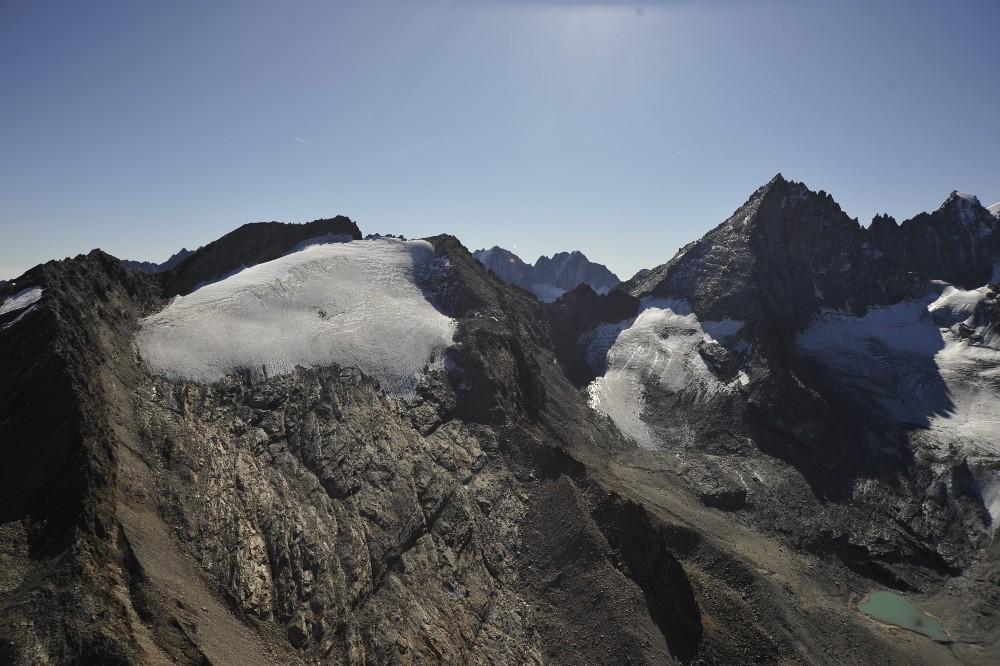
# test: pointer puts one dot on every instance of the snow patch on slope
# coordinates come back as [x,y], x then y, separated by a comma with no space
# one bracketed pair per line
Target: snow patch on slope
[21,299]
[931,365]
[659,346]
[955,305]
[988,483]
[356,304]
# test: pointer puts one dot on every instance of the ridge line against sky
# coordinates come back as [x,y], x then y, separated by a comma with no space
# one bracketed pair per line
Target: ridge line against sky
[623,130]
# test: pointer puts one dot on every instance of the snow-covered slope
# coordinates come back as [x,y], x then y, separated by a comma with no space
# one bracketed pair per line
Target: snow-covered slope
[931,363]
[659,346]
[23,303]
[914,359]
[357,304]
[995,209]
[21,299]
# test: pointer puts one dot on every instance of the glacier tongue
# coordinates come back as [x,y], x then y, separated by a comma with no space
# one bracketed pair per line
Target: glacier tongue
[356,304]
[659,346]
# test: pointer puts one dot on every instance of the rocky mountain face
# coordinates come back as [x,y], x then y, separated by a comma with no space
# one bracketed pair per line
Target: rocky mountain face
[832,362]
[505,264]
[503,513]
[549,277]
[152,267]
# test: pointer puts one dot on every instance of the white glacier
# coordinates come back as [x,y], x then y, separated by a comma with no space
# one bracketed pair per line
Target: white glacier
[356,304]
[661,346]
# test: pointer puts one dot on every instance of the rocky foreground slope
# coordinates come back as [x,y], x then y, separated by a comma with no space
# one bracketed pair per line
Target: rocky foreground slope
[493,515]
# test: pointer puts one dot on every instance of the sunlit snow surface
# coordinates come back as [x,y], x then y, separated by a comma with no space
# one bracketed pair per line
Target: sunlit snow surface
[659,346]
[355,304]
[21,300]
[911,358]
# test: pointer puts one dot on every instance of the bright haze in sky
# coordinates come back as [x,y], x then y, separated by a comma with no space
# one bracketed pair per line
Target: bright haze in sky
[620,129]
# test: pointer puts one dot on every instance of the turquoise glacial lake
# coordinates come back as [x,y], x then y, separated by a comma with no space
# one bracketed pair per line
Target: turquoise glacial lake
[891,608]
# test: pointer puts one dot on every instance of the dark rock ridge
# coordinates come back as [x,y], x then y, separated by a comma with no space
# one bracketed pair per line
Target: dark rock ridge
[250,244]
[549,277]
[151,267]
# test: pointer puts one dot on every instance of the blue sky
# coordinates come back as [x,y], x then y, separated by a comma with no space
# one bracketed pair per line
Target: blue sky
[621,129]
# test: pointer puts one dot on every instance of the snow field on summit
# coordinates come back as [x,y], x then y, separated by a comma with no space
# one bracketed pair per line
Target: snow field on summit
[356,304]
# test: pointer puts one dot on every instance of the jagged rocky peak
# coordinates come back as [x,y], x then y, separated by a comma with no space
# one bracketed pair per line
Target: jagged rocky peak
[765,257]
[567,270]
[883,221]
[508,266]
[967,206]
[789,250]
[958,243]
[549,277]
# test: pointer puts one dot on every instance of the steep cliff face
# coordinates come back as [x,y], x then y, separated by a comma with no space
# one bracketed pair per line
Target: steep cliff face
[59,553]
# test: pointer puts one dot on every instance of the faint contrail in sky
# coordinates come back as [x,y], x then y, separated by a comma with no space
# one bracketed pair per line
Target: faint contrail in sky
[301,140]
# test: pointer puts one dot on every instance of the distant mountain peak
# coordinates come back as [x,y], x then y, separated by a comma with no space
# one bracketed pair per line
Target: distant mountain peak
[962,196]
[152,267]
[549,277]
[967,205]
